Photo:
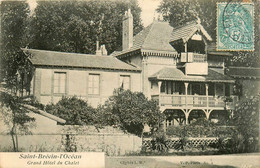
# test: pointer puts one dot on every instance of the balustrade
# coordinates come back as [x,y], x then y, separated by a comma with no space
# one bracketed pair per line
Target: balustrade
[193,57]
[194,101]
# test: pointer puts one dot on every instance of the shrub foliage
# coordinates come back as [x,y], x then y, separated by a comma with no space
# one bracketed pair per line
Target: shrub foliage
[127,110]
[246,119]
[74,110]
[200,128]
[130,111]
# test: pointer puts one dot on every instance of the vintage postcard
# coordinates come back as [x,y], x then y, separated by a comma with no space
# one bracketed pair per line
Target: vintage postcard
[126,84]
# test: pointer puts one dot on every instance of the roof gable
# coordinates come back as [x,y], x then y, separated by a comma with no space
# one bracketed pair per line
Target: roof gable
[59,59]
[185,32]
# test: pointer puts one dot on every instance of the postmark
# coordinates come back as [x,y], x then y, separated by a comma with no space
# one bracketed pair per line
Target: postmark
[235,26]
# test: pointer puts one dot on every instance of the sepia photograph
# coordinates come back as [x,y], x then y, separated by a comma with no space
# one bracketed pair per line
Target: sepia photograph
[129,83]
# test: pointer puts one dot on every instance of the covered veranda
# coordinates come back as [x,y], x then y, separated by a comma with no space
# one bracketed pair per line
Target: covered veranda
[183,98]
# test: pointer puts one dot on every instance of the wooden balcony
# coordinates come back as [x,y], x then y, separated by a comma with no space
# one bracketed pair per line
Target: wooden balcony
[195,101]
[199,57]
[193,57]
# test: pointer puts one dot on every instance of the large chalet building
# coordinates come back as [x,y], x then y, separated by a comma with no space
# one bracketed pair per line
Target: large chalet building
[179,67]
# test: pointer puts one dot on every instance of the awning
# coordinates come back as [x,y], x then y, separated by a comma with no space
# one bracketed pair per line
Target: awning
[175,74]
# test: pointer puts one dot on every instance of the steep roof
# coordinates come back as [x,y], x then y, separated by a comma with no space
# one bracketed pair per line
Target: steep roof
[64,59]
[244,72]
[185,32]
[181,32]
[169,73]
[154,37]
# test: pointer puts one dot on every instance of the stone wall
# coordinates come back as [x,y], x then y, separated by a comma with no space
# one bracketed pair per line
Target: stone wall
[32,143]
[111,144]
[110,140]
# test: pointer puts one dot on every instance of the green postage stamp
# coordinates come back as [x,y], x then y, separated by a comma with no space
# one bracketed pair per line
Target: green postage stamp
[235,26]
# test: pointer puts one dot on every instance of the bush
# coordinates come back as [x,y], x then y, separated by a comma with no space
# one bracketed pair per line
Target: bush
[243,137]
[246,119]
[204,128]
[74,110]
[200,128]
[159,142]
[175,131]
[224,131]
[130,111]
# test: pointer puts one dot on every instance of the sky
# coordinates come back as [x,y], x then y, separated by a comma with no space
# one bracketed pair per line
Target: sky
[148,9]
[32,4]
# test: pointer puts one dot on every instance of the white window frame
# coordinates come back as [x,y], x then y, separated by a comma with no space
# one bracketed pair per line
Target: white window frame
[93,86]
[58,84]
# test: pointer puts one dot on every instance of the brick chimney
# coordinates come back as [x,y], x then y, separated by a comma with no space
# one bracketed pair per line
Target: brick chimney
[98,50]
[127,30]
[103,49]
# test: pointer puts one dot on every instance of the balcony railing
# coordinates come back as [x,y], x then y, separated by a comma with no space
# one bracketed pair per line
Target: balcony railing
[193,57]
[199,57]
[198,101]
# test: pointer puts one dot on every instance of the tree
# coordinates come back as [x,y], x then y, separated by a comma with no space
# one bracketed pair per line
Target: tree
[130,111]
[243,58]
[14,31]
[72,26]
[179,12]
[14,116]
[75,26]
[14,67]
[74,110]
[246,119]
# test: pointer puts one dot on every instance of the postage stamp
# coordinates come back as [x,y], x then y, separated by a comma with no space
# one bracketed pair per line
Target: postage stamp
[235,26]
